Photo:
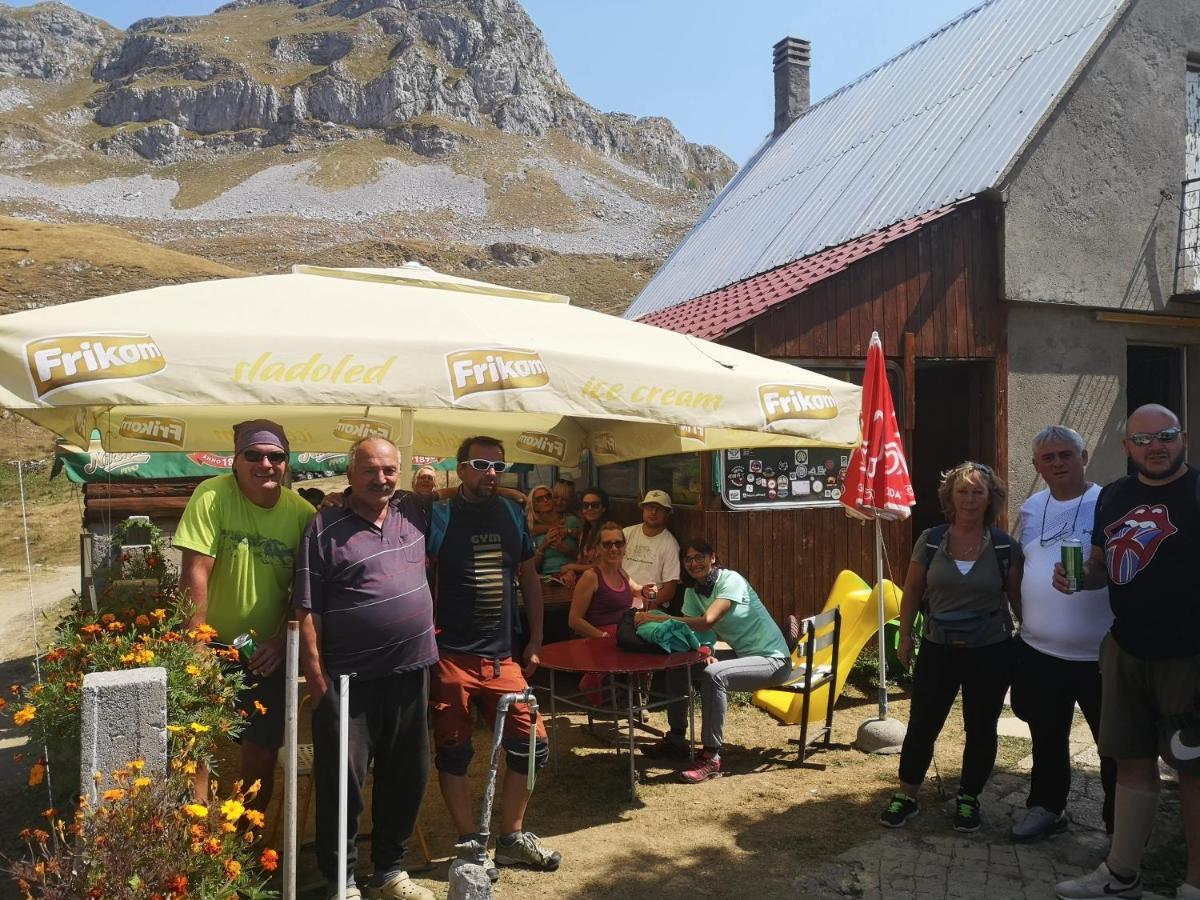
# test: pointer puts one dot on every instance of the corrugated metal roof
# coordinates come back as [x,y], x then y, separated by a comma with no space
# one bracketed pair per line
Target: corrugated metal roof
[941,122]
[715,314]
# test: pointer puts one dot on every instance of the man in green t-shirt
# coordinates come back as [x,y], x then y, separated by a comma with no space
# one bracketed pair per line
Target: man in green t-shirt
[239,535]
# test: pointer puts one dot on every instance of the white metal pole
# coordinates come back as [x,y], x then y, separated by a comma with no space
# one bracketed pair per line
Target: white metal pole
[290,736]
[882,643]
[343,777]
[405,445]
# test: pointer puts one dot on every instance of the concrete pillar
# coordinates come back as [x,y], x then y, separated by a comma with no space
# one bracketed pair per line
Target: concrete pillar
[124,718]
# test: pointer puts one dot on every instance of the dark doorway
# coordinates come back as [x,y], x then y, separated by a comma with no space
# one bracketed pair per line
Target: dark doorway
[955,421]
[1154,375]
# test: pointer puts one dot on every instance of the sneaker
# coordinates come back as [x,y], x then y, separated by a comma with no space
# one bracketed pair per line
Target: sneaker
[1100,885]
[666,747]
[1038,823]
[398,887]
[708,765]
[899,810]
[527,850]
[966,813]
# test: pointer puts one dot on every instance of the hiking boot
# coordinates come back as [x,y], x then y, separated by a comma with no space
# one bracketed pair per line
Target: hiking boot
[1038,823]
[1099,885]
[708,765]
[398,887]
[899,810]
[527,850]
[966,813]
[666,747]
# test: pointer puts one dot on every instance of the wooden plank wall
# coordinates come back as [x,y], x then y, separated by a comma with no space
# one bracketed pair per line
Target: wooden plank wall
[163,501]
[939,284]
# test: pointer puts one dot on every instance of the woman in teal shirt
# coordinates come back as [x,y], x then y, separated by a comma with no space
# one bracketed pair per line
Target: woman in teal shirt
[719,604]
[555,535]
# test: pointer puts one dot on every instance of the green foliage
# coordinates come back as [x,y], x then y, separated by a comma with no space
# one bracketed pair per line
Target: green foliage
[145,841]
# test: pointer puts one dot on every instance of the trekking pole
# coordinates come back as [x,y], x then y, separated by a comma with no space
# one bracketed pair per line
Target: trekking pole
[291,705]
[343,778]
[507,700]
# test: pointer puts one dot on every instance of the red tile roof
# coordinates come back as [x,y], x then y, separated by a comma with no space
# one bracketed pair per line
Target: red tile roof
[715,314]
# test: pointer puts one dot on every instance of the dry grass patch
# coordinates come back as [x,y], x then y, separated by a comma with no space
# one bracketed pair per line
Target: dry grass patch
[48,263]
[354,163]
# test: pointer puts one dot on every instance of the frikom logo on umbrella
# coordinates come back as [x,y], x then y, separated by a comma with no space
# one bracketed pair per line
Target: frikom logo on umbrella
[492,369]
[543,444]
[796,401]
[353,428]
[66,359]
[154,429]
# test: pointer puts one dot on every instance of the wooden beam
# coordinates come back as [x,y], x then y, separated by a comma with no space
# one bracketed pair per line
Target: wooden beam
[1151,319]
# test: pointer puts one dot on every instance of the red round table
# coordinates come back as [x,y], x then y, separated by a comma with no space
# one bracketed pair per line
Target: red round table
[603,655]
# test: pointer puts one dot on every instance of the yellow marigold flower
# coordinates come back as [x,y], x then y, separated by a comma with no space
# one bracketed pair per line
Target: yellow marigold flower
[137,765]
[158,615]
[25,715]
[232,810]
[202,633]
[114,794]
[228,827]
[143,656]
[233,868]
[192,670]
[255,818]
[196,810]
[175,729]
[141,782]
[198,728]
[261,707]
[189,767]
[254,788]
[36,689]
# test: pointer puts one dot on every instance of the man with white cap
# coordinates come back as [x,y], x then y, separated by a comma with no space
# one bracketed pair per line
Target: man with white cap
[651,551]
[239,535]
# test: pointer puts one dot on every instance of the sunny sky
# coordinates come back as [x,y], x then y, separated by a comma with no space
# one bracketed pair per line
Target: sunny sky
[690,60]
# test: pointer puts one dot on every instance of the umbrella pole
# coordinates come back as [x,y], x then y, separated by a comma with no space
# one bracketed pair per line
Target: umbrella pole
[405,446]
[882,646]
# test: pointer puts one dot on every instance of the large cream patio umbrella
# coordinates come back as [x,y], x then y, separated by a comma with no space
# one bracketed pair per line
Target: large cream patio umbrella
[420,357]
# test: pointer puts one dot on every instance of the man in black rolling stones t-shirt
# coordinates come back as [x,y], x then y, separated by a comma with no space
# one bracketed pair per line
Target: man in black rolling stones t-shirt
[1146,549]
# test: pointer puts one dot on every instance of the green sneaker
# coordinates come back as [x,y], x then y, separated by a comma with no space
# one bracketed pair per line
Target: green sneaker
[899,810]
[527,850]
[966,813]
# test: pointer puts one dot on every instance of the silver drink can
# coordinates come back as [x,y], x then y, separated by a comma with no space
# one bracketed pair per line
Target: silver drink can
[1072,563]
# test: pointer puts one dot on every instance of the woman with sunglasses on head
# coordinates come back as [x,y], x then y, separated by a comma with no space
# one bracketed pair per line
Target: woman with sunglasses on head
[604,592]
[719,603]
[964,577]
[593,510]
[555,535]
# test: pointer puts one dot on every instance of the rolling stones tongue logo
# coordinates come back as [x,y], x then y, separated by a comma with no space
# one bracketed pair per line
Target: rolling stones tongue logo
[1133,539]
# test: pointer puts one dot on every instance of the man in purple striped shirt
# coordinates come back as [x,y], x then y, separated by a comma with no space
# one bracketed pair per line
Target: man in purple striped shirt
[365,610]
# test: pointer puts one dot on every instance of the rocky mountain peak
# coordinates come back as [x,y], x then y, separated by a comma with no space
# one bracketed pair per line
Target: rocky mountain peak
[49,40]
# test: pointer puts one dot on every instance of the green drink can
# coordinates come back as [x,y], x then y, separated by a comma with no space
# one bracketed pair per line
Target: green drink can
[245,646]
[1072,562]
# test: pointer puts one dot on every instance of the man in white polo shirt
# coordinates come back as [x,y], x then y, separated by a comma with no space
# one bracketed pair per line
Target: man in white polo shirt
[651,551]
[1058,648]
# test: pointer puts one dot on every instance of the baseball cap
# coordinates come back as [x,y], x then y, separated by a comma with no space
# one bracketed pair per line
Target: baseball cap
[662,498]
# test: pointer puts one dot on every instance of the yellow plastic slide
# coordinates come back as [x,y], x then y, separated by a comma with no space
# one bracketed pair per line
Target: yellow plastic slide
[860,622]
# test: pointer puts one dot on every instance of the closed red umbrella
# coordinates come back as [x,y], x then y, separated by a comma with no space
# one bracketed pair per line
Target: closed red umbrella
[877,482]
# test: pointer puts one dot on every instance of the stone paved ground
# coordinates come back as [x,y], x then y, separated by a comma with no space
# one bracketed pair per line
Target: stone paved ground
[929,860]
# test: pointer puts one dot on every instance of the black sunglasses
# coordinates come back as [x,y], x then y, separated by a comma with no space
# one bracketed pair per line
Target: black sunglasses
[482,465]
[612,545]
[591,504]
[1146,438]
[274,456]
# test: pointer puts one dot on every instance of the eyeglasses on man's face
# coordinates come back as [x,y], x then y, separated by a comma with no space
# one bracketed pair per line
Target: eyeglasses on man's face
[1146,438]
[482,465]
[275,457]
[693,560]
[612,545]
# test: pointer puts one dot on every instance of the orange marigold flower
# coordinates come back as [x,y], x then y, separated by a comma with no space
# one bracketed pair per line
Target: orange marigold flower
[202,632]
[108,617]
[142,621]
[25,715]
[255,818]
[231,654]
[91,628]
[55,655]
[199,832]
[269,860]
[40,836]
[37,774]
[228,827]
[169,637]
[3,703]
[178,885]
[261,707]
[36,689]
[212,846]
[114,794]
[116,627]
[14,689]
[233,869]
[49,813]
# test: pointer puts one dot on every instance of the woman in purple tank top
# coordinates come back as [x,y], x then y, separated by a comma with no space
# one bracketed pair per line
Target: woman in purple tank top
[604,592]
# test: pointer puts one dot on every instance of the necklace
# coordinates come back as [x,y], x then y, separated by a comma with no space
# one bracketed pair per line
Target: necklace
[970,553]
[1062,533]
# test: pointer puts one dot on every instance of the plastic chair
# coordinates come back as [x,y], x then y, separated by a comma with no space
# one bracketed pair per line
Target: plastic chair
[817,633]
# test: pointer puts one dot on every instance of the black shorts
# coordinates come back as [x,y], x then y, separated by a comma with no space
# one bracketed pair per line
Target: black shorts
[264,728]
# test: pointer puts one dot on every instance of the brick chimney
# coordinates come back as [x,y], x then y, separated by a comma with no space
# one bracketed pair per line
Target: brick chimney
[792,58]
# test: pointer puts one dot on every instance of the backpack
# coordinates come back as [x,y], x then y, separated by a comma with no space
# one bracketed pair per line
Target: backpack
[1001,545]
[440,521]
